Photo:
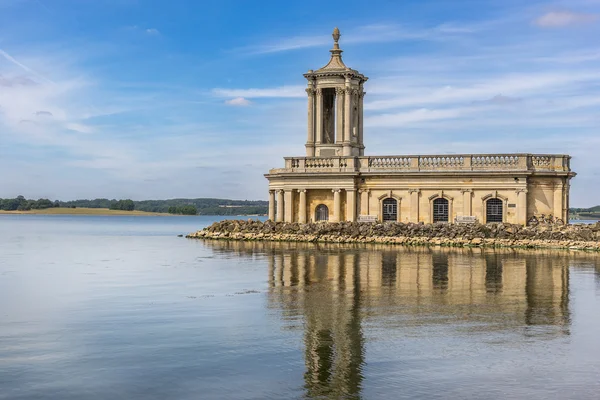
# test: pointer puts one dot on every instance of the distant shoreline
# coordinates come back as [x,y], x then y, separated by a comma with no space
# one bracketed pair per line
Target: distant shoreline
[108,212]
[84,211]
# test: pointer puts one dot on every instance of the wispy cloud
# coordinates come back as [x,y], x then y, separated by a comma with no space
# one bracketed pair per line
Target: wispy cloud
[373,33]
[559,19]
[152,32]
[238,101]
[293,91]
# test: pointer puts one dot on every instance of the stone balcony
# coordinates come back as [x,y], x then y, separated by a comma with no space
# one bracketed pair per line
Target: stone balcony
[522,163]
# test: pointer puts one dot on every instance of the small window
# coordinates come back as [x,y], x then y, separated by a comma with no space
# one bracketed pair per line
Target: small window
[440,210]
[390,209]
[493,210]
[322,213]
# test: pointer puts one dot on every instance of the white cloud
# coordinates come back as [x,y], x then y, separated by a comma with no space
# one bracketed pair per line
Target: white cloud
[374,33]
[238,101]
[282,91]
[153,31]
[559,19]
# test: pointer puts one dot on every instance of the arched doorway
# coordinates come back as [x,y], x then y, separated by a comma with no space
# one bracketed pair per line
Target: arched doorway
[440,210]
[493,210]
[390,209]
[321,213]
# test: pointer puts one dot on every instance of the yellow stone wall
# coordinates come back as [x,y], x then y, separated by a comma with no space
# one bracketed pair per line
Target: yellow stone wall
[521,197]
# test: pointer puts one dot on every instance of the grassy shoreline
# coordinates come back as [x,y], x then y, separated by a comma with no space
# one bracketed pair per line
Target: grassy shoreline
[84,211]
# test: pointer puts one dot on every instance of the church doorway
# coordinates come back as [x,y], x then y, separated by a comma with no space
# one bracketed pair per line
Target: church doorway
[321,213]
[440,210]
[493,210]
[390,210]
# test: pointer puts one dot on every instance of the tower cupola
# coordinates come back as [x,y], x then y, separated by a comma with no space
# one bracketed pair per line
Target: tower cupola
[335,107]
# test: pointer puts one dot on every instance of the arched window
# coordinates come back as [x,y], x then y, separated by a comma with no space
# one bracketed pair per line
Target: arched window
[493,210]
[322,213]
[440,210]
[390,209]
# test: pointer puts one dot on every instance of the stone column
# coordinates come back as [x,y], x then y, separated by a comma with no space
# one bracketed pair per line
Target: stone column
[347,119]
[289,206]
[558,200]
[364,202]
[310,142]
[272,205]
[339,115]
[279,216]
[319,121]
[414,205]
[337,205]
[361,96]
[351,205]
[467,202]
[522,206]
[302,206]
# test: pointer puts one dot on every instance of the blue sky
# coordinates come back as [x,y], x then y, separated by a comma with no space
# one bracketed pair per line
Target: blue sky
[154,99]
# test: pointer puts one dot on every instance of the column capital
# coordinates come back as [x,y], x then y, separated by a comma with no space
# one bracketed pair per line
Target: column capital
[302,190]
[336,190]
[414,191]
[348,91]
[362,94]
[272,191]
[319,92]
[350,190]
[364,190]
[310,91]
[280,191]
[520,191]
[466,191]
[339,90]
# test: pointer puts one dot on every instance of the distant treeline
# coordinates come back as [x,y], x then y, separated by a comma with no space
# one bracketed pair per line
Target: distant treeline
[208,206]
[585,213]
[20,203]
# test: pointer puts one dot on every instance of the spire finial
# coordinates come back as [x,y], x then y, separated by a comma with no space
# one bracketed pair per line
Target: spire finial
[336,37]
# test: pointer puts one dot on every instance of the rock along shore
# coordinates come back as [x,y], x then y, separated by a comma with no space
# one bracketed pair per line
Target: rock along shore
[575,237]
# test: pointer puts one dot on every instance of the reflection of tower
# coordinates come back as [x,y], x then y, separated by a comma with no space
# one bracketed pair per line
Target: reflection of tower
[547,291]
[327,294]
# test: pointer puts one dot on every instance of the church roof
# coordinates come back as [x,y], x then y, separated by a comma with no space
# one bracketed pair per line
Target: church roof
[336,65]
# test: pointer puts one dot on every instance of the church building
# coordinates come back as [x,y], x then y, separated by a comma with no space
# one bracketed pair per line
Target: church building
[336,182]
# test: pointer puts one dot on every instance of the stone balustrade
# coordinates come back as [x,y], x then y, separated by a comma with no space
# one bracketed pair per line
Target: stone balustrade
[416,163]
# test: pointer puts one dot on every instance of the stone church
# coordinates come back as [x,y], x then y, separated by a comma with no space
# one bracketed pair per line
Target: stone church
[335,181]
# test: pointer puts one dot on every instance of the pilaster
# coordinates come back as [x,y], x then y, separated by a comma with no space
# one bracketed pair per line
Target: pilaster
[280,201]
[302,206]
[414,205]
[339,114]
[337,206]
[364,201]
[347,118]
[521,206]
[558,200]
[351,205]
[272,205]
[319,121]
[310,142]
[467,201]
[289,206]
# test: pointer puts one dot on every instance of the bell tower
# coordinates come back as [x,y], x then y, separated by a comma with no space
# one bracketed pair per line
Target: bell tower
[335,108]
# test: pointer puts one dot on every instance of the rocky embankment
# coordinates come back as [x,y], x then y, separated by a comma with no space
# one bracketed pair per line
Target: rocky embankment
[579,236]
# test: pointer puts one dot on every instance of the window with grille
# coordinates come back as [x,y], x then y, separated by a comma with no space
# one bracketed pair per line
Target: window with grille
[494,210]
[440,210]
[390,209]
[322,213]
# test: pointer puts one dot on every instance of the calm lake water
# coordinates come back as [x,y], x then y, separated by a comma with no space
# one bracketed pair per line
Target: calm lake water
[122,308]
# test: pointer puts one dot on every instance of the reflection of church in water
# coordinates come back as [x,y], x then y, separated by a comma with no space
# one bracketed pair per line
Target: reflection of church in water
[335,291]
